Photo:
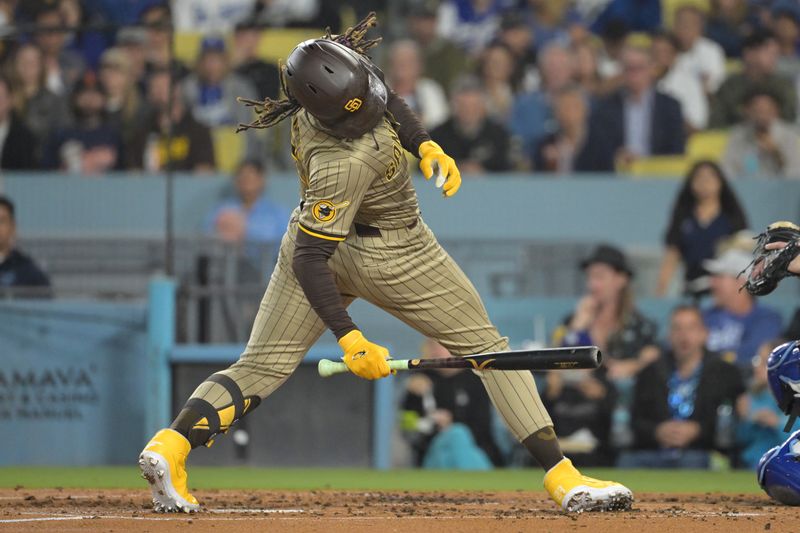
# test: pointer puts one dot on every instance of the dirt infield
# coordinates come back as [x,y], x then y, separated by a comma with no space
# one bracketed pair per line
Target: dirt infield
[122,511]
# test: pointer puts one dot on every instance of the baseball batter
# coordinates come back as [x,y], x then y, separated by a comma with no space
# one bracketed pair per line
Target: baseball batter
[358,234]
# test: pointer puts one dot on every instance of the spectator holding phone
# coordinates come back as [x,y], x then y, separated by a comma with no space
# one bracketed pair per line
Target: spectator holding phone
[763,145]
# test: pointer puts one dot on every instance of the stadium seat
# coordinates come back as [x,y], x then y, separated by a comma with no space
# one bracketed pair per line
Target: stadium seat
[229,148]
[275,44]
[733,66]
[187,44]
[707,145]
[665,166]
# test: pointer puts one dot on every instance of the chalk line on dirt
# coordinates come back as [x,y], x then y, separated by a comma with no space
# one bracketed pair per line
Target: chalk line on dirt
[42,519]
[279,512]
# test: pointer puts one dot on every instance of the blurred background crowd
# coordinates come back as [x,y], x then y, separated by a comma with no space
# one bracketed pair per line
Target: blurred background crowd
[707,90]
[545,86]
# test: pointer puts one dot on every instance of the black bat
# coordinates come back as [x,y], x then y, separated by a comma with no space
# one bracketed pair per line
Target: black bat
[543,359]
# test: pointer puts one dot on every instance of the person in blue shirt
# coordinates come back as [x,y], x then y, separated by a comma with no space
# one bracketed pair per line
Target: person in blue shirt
[248,216]
[761,421]
[636,15]
[738,324]
[213,88]
[122,12]
[532,117]
[550,21]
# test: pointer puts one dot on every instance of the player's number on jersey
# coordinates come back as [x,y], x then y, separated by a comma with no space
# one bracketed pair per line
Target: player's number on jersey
[397,157]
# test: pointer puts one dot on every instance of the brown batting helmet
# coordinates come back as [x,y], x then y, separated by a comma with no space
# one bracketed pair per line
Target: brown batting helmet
[337,86]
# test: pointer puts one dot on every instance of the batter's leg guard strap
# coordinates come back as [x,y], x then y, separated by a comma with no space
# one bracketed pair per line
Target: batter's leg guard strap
[207,411]
[200,421]
[189,422]
[251,403]
[237,398]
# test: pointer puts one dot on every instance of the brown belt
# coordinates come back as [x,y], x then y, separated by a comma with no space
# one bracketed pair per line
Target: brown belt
[362,230]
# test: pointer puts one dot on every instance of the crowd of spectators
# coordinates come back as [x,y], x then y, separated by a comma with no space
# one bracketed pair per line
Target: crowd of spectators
[585,86]
[555,86]
[89,87]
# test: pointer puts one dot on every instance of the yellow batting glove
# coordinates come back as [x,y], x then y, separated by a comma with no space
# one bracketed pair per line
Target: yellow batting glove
[449,178]
[364,359]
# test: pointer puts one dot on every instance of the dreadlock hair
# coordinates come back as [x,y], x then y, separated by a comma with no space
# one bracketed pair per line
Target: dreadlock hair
[353,38]
[270,111]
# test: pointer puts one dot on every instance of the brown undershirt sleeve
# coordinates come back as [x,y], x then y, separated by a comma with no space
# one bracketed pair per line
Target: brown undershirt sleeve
[410,129]
[310,265]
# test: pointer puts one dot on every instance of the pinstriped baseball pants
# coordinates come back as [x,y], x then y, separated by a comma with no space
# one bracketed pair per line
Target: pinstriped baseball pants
[404,272]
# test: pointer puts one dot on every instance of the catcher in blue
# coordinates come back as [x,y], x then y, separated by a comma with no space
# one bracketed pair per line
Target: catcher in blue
[358,234]
[776,256]
[779,471]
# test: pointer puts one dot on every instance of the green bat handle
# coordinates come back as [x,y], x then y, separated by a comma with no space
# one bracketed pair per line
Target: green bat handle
[327,368]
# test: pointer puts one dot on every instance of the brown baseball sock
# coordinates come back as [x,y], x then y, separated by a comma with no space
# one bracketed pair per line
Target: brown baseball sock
[544,447]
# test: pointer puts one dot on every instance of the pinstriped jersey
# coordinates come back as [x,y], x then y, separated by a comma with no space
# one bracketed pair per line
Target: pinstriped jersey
[346,181]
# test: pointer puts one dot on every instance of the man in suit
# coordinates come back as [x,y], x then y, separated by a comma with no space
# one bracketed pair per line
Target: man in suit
[476,142]
[17,143]
[636,121]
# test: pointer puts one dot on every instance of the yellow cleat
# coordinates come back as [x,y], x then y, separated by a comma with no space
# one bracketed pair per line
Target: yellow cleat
[163,465]
[576,493]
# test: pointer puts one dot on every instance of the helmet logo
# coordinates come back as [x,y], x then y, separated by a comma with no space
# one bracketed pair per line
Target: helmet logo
[353,105]
[325,211]
[793,384]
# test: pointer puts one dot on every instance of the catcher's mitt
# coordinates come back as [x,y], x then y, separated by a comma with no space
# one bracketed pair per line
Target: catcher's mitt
[769,267]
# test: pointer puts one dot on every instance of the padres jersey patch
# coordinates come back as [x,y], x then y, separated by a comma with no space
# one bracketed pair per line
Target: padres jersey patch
[325,210]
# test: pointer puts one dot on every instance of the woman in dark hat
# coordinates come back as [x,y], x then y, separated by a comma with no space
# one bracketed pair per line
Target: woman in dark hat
[606,316]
